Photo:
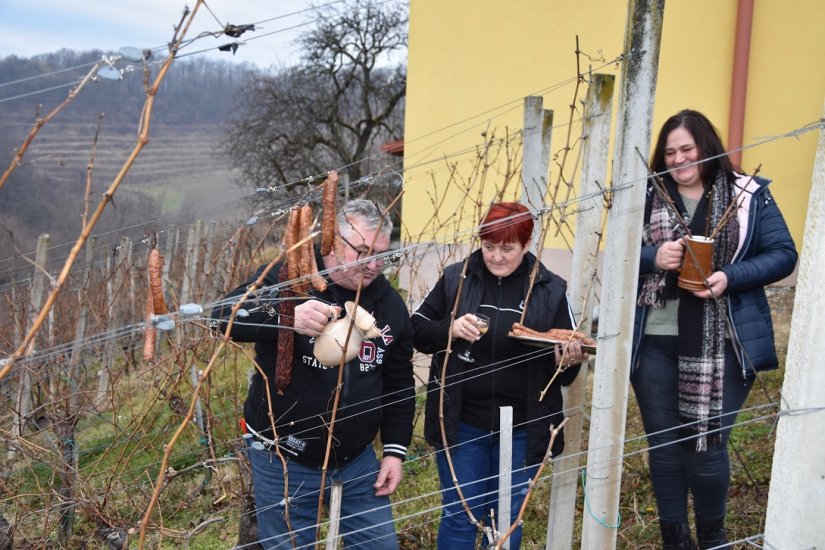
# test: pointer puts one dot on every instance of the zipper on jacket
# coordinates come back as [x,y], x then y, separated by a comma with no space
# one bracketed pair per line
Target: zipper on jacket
[494,371]
[494,329]
[498,310]
[753,215]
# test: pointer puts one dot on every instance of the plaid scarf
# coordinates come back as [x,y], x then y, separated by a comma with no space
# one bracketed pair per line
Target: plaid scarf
[702,323]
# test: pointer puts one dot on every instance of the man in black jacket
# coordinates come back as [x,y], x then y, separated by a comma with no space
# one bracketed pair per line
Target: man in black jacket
[377,395]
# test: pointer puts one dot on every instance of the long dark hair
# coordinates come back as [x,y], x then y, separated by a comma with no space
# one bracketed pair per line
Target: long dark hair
[707,140]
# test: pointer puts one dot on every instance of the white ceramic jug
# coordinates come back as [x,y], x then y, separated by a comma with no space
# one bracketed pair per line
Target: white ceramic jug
[329,345]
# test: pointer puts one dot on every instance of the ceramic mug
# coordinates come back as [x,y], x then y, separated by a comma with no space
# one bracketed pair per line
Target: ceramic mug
[696,264]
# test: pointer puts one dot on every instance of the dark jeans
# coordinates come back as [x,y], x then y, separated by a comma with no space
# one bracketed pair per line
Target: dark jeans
[366,520]
[475,458]
[676,467]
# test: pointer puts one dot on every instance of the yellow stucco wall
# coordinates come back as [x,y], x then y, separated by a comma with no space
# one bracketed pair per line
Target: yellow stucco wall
[471,62]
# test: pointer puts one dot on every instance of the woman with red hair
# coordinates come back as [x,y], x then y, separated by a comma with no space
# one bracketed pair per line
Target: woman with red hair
[503,372]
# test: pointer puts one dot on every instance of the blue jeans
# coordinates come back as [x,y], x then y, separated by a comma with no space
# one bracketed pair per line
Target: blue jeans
[366,520]
[475,458]
[676,468]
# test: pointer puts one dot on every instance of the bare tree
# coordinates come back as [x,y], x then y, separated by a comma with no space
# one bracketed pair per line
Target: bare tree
[332,110]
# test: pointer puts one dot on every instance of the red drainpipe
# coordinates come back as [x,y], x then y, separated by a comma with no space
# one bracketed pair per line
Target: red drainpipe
[739,79]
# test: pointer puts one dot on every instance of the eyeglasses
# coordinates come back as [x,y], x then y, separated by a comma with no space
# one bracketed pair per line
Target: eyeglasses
[382,257]
[361,253]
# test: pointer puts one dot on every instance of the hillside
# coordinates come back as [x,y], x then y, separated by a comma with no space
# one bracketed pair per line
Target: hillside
[184,161]
[182,167]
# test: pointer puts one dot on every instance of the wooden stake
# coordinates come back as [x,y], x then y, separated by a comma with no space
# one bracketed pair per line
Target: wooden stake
[24,393]
[336,495]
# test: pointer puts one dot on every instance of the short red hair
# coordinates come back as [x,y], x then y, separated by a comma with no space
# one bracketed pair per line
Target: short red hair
[507,222]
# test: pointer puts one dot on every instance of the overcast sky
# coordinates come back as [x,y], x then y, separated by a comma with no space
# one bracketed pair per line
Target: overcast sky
[32,27]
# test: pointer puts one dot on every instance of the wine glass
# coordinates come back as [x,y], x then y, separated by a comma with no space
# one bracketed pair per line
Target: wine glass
[482,324]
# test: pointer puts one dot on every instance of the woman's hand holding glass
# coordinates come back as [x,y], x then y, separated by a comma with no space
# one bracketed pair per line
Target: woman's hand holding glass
[466,327]
[470,327]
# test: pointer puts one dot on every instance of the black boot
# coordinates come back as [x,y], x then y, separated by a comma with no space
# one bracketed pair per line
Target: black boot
[711,533]
[676,536]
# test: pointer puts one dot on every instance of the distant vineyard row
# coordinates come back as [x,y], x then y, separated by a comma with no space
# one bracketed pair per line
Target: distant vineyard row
[172,153]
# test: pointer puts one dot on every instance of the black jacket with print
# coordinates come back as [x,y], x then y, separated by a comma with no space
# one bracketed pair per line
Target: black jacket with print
[378,388]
